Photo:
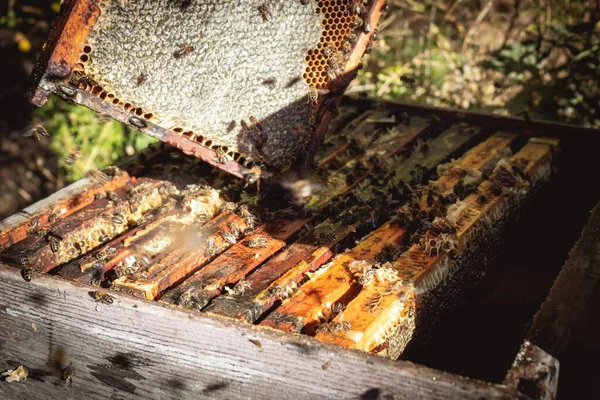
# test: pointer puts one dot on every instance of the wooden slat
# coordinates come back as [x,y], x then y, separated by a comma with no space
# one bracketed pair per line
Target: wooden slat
[134,348]
[285,270]
[166,228]
[421,272]
[86,227]
[305,309]
[560,316]
[238,261]
[387,146]
[182,261]
[62,203]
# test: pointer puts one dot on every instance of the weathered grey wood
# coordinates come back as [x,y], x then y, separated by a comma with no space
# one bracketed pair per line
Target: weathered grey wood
[526,126]
[556,321]
[534,373]
[138,349]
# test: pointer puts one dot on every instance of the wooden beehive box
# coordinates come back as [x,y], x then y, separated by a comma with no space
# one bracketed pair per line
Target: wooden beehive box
[166,279]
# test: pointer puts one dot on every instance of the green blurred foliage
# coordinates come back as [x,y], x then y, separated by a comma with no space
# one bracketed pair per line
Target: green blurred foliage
[101,143]
[518,57]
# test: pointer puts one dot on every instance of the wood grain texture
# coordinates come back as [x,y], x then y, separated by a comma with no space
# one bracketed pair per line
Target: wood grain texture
[534,373]
[555,324]
[138,349]
[64,202]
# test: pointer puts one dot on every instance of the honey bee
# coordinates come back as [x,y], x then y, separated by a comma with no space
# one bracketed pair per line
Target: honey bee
[25,262]
[375,35]
[117,219]
[228,206]
[104,238]
[222,156]
[328,50]
[112,197]
[234,228]
[357,23]
[355,7]
[238,289]
[211,248]
[33,227]
[137,122]
[258,242]
[27,274]
[314,93]
[408,80]
[253,176]
[73,155]
[255,123]
[100,296]
[141,79]
[78,78]
[98,176]
[367,28]
[67,374]
[265,11]
[99,196]
[340,326]
[228,237]
[184,50]
[52,217]
[54,242]
[36,130]
[338,308]
[248,217]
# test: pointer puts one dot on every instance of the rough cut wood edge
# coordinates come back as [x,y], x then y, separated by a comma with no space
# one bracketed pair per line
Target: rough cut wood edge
[60,199]
[555,323]
[524,126]
[534,373]
[134,348]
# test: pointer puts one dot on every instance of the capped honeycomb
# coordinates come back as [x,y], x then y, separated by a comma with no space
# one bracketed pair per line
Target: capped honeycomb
[243,78]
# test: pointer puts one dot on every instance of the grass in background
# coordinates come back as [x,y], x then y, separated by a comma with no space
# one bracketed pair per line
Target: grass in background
[522,57]
[100,142]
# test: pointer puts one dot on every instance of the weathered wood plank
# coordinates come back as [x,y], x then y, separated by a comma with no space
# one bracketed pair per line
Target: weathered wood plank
[555,324]
[233,265]
[192,253]
[534,373]
[164,230]
[134,349]
[62,203]
[305,309]
[87,228]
